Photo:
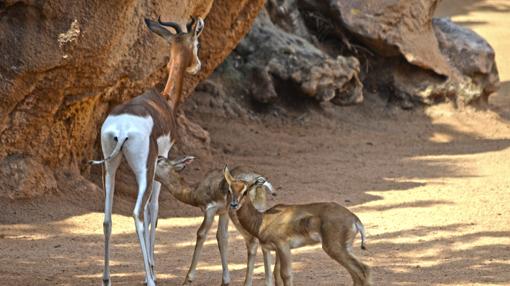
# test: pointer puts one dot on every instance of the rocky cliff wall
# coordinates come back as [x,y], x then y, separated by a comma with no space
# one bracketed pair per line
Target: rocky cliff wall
[65,64]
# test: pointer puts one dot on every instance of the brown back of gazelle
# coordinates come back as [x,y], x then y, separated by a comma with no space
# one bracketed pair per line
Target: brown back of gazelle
[284,227]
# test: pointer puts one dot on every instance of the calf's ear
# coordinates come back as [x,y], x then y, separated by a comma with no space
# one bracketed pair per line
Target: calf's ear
[227,175]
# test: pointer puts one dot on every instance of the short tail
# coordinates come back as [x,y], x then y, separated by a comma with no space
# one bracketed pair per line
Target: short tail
[114,153]
[361,229]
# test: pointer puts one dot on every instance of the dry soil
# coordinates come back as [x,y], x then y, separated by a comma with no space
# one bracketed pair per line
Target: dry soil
[431,186]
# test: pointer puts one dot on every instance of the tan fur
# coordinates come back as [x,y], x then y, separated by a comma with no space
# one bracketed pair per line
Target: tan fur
[211,196]
[183,50]
[182,55]
[284,227]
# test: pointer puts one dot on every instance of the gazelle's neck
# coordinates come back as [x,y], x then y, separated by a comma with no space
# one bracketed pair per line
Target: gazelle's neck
[176,70]
[249,217]
[178,188]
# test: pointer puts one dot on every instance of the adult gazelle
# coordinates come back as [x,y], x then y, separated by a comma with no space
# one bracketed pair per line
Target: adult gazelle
[142,129]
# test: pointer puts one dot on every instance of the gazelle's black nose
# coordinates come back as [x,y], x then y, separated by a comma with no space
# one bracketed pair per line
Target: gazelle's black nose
[234,205]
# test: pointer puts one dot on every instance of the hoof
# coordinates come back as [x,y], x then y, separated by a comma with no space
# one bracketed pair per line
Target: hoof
[145,281]
[107,282]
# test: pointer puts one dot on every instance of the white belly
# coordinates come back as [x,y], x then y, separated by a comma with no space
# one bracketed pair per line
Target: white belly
[299,241]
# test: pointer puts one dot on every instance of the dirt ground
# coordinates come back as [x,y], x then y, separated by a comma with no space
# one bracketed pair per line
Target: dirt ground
[431,186]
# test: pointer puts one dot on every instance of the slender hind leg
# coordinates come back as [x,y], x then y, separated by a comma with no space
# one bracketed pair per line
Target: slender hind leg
[109,185]
[277,270]
[339,248]
[150,219]
[140,231]
[222,238]
[152,208]
[142,162]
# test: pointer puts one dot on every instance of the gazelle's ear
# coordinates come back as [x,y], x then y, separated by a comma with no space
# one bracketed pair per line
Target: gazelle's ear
[159,30]
[181,163]
[195,26]
[199,27]
[186,160]
[228,176]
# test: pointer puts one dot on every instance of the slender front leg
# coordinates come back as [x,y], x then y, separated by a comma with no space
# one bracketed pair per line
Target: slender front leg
[267,267]
[201,236]
[222,238]
[109,184]
[276,272]
[251,246]
[284,257]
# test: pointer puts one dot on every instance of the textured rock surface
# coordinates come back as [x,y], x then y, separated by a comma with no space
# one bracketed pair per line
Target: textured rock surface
[442,60]
[63,67]
[472,59]
[270,52]
[273,60]
[23,178]
[470,54]
[391,28]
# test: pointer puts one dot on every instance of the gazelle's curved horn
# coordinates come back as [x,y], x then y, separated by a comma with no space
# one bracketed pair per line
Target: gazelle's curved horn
[174,25]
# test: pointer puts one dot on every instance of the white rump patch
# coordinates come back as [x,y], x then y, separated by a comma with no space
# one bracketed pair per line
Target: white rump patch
[125,124]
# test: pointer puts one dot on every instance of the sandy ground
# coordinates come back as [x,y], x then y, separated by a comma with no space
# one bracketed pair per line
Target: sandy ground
[430,185]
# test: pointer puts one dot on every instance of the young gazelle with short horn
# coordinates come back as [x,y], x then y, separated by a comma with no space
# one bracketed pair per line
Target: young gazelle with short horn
[141,129]
[211,196]
[284,227]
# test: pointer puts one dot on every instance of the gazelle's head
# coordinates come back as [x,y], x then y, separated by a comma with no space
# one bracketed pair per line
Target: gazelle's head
[169,168]
[238,189]
[183,45]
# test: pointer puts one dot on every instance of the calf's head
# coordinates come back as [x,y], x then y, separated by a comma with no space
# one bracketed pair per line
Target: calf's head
[166,168]
[238,189]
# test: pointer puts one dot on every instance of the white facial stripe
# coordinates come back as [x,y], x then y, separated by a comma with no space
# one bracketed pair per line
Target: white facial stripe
[193,69]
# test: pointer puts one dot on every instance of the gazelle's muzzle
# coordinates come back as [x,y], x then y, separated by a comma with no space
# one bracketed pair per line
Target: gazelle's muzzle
[234,204]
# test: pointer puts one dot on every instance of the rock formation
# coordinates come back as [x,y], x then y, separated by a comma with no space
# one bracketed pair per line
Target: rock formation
[64,66]
[430,59]
[321,49]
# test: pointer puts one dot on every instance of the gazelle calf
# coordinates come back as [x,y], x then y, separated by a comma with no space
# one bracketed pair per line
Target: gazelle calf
[141,129]
[284,227]
[211,196]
